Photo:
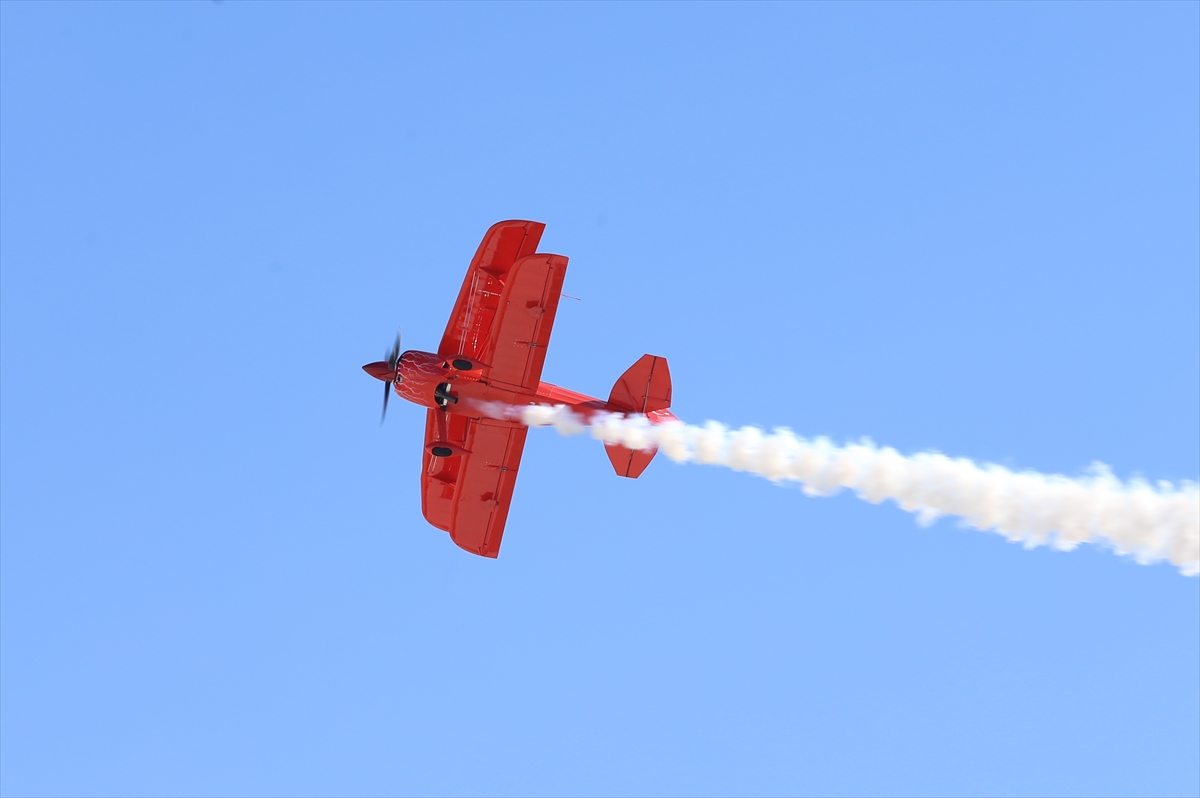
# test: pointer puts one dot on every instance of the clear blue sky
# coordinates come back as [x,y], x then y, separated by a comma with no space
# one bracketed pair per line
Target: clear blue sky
[967,227]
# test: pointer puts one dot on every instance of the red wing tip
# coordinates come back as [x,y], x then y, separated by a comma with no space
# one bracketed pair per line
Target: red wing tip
[528,224]
[479,551]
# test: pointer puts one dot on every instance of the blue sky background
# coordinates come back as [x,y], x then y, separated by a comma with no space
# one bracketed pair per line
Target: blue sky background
[968,227]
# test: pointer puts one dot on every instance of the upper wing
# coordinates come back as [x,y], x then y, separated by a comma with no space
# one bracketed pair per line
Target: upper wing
[524,319]
[468,495]
[468,332]
[506,307]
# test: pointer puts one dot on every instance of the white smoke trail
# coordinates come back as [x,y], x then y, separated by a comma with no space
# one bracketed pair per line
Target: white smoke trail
[1147,522]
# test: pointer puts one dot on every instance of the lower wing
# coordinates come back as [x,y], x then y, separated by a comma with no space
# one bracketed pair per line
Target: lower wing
[468,495]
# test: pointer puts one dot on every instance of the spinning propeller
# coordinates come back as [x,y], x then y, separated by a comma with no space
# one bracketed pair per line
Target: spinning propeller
[387,370]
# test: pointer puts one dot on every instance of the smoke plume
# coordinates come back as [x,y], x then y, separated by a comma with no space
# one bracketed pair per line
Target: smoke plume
[1148,522]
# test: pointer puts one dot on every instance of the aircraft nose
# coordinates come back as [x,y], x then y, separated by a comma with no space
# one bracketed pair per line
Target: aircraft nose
[380,370]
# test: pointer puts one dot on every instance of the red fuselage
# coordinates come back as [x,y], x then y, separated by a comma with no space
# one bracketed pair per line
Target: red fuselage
[430,380]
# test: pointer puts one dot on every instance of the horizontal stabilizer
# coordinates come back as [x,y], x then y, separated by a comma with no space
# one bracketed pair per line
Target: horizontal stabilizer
[628,462]
[645,387]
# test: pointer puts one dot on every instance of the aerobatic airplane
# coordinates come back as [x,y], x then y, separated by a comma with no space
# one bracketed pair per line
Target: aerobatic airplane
[488,367]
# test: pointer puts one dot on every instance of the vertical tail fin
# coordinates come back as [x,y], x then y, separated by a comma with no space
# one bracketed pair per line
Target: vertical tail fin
[645,387]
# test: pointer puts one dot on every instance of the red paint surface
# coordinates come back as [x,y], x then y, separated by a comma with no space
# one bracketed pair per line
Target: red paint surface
[501,323]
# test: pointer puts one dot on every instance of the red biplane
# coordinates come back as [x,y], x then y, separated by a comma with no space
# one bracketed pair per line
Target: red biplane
[490,359]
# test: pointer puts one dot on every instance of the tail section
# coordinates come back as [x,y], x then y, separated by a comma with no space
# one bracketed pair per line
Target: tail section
[644,388]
